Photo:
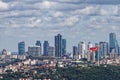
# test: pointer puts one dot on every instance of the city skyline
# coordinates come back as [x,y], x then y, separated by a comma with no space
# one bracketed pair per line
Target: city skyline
[22,45]
[78,20]
[68,50]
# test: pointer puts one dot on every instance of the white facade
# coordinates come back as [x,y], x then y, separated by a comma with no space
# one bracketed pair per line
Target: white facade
[88,56]
[91,56]
[81,49]
[89,46]
[34,51]
[21,57]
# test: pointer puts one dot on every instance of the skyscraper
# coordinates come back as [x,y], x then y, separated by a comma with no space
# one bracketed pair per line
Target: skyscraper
[21,48]
[34,51]
[103,49]
[81,49]
[106,49]
[97,53]
[113,43]
[112,40]
[63,46]
[89,53]
[117,47]
[4,52]
[38,43]
[45,48]
[119,51]
[89,46]
[51,51]
[75,51]
[58,45]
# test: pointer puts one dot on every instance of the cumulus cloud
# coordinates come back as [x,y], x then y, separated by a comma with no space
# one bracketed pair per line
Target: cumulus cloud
[78,18]
[39,13]
[3,5]
[44,4]
[86,11]
[109,10]
[57,14]
[47,4]
[71,21]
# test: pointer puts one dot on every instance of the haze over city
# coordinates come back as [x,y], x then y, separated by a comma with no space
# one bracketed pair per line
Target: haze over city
[78,20]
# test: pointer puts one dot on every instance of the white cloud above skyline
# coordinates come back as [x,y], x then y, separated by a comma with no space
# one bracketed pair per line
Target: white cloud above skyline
[78,20]
[3,5]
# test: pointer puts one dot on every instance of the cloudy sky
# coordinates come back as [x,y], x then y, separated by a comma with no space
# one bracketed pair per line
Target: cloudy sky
[76,20]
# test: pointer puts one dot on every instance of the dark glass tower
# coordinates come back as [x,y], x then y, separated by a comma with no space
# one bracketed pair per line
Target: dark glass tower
[64,46]
[21,48]
[113,43]
[75,50]
[45,46]
[38,43]
[58,45]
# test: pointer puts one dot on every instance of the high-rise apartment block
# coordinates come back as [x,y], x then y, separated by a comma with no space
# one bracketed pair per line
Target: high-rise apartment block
[58,46]
[21,48]
[75,52]
[51,51]
[45,48]
[64,46]
[113,43]
[103,49]
[81,49]
[34,51]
